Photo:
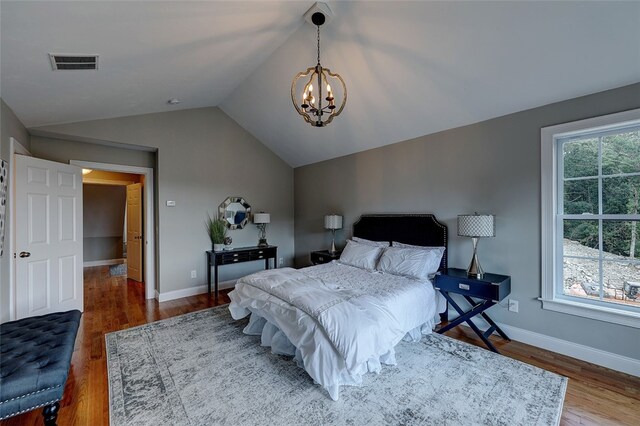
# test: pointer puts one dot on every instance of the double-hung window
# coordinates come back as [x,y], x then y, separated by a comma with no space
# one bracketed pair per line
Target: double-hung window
[591,218]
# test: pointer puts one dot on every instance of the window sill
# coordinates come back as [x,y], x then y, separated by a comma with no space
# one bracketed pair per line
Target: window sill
[629,319]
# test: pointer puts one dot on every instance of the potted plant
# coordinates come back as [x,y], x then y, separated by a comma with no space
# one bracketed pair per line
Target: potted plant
[217,230]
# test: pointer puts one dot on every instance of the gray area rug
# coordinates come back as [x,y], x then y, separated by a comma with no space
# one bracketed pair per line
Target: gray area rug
[200,369]
[118,270]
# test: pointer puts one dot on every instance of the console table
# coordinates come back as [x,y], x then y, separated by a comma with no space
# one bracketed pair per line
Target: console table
[238,255]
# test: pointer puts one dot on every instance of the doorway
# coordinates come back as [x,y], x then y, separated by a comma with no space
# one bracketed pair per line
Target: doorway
[128,184]
[112,222]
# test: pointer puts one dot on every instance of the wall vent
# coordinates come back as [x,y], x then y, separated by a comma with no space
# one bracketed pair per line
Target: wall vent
[61,62]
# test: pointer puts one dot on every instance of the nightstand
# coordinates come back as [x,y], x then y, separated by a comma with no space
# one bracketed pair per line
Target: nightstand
[323,256]
[489,290]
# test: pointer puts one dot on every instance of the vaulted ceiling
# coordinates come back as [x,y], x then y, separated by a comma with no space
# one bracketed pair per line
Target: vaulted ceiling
[411,68]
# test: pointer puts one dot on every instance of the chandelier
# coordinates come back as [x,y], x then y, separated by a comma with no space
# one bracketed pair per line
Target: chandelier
[311,91]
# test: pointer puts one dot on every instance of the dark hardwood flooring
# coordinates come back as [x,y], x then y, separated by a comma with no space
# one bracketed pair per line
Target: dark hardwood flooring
[595,395]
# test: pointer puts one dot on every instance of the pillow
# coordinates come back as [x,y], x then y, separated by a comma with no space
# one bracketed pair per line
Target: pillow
[360,255]
[370,242]
[439,250]
[410,262]
[403,245]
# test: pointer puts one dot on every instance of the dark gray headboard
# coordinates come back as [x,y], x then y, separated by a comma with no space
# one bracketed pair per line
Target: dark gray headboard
[416,229]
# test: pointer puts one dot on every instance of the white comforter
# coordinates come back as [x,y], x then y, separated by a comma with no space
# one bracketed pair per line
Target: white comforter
[341,321]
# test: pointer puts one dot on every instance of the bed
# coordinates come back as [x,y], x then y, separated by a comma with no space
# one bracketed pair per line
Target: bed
[343,319]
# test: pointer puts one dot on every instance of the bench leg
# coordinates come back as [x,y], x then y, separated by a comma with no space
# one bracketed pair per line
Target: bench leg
[50,413]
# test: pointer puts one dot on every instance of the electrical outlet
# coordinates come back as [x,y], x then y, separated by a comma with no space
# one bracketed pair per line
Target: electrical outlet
[193,274]
[513,305]
[281,261]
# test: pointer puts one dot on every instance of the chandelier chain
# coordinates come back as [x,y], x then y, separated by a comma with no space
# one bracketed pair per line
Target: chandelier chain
[318,44]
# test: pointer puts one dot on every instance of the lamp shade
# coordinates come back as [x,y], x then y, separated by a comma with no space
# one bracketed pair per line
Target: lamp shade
[476,225]
[333,221]
[261,218]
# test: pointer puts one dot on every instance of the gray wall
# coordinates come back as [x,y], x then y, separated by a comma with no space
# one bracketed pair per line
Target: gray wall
[203,156]
[10,126]
[488,167]
[103,221]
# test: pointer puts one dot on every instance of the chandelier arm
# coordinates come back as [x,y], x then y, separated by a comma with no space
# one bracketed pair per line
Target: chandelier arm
[344,95]
[298,76]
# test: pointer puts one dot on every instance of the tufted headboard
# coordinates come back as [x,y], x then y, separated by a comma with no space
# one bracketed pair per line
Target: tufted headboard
[416,229]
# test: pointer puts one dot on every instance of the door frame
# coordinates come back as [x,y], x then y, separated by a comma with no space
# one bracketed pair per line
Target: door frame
[15,147]
[147,211]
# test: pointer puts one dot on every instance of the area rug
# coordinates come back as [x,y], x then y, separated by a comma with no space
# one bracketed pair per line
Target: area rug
[200,369]
[118,270]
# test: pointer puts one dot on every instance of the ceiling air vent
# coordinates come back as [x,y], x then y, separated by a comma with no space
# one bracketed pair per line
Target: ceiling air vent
[73,62]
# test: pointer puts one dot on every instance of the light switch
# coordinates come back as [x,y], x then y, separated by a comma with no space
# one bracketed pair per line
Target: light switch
[171,203]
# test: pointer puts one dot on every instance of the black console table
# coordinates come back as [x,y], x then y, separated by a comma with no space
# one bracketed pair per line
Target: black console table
[238,255]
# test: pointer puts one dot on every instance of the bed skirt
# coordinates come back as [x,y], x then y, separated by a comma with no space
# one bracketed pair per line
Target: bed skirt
[271,336]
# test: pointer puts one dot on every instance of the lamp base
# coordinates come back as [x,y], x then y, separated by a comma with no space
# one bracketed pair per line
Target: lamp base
[475,270]
[262,235]
[333,250]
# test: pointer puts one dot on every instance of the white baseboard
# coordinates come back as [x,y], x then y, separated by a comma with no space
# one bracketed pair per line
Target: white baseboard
[575,350]
[103,262]
[191,291]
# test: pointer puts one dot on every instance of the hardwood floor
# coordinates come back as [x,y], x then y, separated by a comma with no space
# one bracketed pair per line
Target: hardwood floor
[595,395]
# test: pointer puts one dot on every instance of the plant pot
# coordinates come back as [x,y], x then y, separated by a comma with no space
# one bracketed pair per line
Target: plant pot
[218,247]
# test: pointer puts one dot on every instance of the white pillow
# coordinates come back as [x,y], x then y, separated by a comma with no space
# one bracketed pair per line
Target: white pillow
[360,255]
[410,262]
[370,242]
[403,245]
[439,250]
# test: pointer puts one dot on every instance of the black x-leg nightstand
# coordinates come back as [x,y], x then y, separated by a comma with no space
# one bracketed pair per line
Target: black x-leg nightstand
[489,290]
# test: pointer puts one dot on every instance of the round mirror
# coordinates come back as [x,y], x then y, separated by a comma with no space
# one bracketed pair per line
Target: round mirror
[235,211]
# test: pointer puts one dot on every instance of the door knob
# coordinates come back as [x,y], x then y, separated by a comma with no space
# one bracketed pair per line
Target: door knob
[24,254]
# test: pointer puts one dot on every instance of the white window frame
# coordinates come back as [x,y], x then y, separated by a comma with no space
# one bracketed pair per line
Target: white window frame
[551,247]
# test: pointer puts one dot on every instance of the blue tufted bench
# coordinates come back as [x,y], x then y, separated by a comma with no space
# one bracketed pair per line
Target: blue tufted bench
[35,355]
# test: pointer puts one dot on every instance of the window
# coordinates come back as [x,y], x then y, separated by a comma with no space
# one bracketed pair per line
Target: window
[591,218]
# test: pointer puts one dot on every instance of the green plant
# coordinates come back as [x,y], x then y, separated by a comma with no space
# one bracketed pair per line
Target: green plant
[217,230]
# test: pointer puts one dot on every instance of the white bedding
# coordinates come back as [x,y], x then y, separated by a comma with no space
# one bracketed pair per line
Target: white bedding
[339,321]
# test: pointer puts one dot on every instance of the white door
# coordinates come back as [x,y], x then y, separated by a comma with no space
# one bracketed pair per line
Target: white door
[48,237]
[134,231]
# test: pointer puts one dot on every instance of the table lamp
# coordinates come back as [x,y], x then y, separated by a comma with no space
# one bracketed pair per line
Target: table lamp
[333,222]
[476,226]
[261,219]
